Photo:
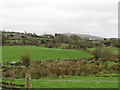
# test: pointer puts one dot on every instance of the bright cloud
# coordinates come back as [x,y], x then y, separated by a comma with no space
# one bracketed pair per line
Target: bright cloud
[96,17]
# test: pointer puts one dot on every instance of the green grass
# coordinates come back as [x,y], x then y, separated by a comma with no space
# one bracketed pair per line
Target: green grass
[14,40]
[13,53]
[114,49]
[91,49]
[73,84]
[109,63]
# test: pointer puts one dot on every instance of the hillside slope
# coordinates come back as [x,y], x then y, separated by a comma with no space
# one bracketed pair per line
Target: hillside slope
[84,36]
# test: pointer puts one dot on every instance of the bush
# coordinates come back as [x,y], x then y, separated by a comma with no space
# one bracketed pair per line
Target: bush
[103,53]
[25,58]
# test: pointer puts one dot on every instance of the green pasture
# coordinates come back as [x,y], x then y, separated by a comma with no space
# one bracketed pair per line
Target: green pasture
[111,48]
[114,49]
[78,82]
[13,53]
[14,40]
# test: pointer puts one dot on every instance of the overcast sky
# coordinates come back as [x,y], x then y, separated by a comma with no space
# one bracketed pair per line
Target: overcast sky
[95,17]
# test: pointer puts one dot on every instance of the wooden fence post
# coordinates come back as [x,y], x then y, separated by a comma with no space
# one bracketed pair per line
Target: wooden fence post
[28,80]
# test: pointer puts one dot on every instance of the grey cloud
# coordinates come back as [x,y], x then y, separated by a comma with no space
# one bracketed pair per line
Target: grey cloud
[50,16]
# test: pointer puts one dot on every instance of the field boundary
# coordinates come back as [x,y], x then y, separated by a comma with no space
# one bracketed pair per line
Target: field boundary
[63,80]
[77,81]
[10,85]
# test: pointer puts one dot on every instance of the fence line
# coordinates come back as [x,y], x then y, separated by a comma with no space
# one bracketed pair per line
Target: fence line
[10,85]
[61,80]
[77,81]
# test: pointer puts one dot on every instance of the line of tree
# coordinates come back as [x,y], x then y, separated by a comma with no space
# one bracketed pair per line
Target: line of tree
[57,41]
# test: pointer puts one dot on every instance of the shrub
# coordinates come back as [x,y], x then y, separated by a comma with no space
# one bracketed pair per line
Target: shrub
[25,58]
[103,53]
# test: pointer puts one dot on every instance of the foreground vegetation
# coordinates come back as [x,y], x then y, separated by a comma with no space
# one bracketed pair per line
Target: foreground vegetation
[83,68]
[73,82]
[59,68]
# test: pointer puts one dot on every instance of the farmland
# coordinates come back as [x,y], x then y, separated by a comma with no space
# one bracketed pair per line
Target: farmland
[13,53]
[73,82]
[114,49]
[60,74]
[58,61]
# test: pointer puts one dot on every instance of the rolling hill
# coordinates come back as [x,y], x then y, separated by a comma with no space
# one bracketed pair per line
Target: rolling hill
[84,36]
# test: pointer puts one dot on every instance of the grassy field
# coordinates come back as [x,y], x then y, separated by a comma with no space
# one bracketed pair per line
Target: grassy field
[114,49]
[78,82]
[13,53]
[111,48]
[14,40]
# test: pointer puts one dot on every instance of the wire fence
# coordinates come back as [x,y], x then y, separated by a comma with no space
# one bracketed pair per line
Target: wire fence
[61,80]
